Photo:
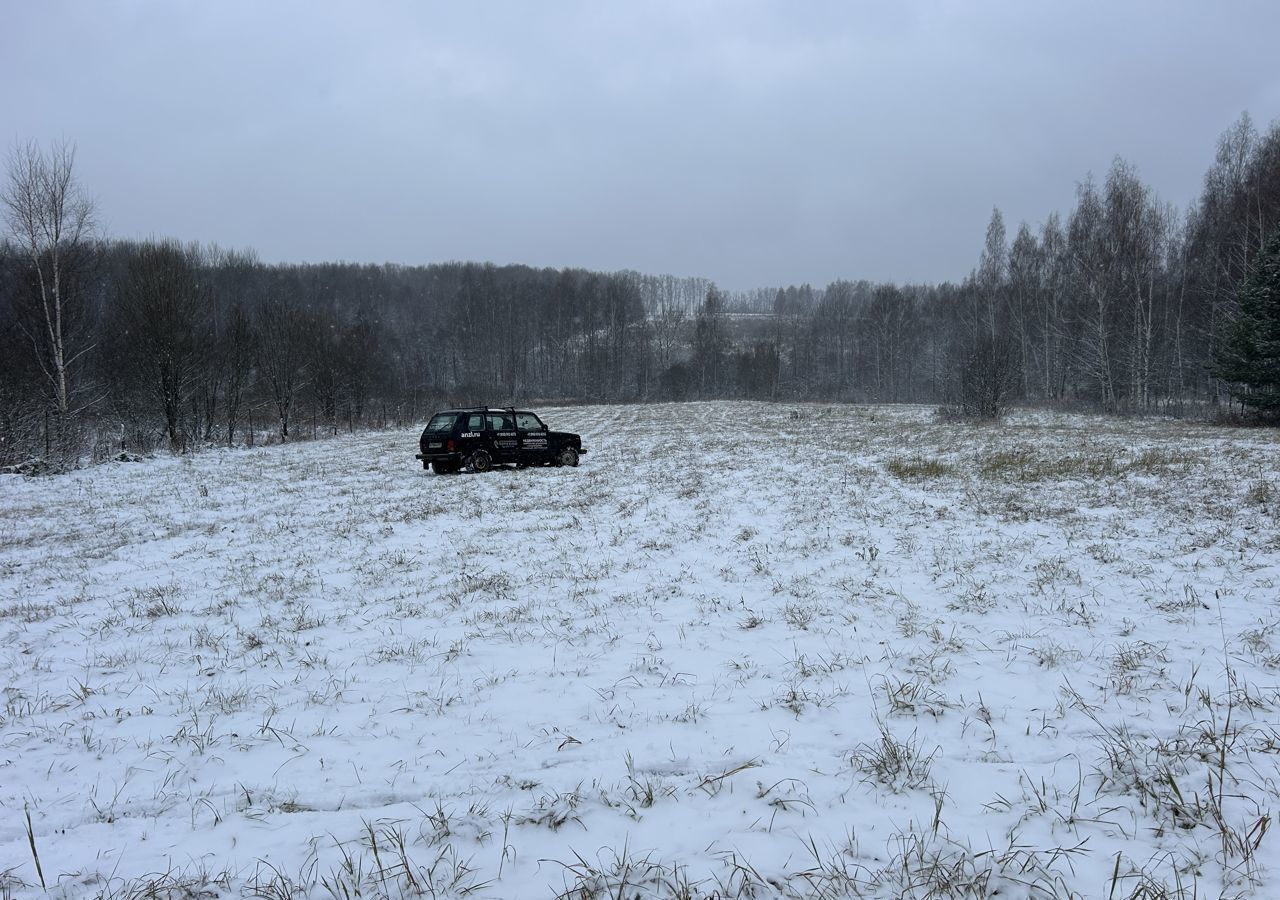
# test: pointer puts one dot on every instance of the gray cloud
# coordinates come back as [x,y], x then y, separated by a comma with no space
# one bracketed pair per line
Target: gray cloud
[754,143]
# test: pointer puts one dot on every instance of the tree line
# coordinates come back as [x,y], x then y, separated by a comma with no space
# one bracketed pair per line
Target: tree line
[1122,303]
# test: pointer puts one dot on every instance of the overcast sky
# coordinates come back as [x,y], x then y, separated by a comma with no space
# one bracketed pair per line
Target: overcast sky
[754,143]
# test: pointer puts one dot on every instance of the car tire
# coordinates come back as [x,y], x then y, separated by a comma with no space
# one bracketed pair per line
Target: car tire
[481,461]
[567,457]
[440,467]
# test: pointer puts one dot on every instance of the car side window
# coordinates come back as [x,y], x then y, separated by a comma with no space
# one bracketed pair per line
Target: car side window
[499,422]
[475,422]
[529,422]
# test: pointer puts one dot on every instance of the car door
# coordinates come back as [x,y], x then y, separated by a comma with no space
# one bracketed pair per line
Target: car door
[532,435]
[506,440]
[472,434]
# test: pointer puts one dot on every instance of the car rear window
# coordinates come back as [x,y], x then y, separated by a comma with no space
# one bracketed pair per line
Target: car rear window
[442,422]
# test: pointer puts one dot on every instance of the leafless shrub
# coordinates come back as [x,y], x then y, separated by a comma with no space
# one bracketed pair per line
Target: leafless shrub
[1262,492]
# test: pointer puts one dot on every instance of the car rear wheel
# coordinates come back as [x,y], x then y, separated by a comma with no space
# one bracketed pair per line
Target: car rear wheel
[567,457]
[441,467]
[481,461]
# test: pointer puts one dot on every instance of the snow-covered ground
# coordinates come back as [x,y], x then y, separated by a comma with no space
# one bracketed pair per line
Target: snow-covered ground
[847,652]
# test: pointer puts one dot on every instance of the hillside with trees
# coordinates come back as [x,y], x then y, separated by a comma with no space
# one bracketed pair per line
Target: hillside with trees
[1122,304]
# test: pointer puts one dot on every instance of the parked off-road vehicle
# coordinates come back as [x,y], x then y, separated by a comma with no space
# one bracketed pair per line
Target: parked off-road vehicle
[479,438]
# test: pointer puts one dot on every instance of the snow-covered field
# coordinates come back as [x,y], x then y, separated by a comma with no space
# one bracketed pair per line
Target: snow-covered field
[739,652]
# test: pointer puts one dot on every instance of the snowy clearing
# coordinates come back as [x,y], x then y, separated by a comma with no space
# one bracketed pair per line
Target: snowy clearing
[900,658]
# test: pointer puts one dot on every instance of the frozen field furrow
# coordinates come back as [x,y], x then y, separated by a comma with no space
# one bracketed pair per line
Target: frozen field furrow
[840,651]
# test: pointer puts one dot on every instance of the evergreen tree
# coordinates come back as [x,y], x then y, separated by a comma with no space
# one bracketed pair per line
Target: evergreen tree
[1250,357]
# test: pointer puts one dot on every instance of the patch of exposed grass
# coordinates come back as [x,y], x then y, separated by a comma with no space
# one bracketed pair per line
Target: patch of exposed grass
[917,468]
[1022,464]
[1158,461]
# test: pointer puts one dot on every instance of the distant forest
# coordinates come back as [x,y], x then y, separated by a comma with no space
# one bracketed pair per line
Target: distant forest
[1120,304]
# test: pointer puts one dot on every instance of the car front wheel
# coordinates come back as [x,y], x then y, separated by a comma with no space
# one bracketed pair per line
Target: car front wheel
[567,457]
[481,461]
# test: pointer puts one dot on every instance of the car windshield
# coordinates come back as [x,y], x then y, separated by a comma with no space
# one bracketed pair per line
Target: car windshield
[441,421]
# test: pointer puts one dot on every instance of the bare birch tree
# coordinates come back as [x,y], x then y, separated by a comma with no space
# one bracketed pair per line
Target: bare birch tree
[52,222]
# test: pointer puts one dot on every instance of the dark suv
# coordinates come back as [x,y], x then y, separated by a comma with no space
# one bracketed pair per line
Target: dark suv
[479,437]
